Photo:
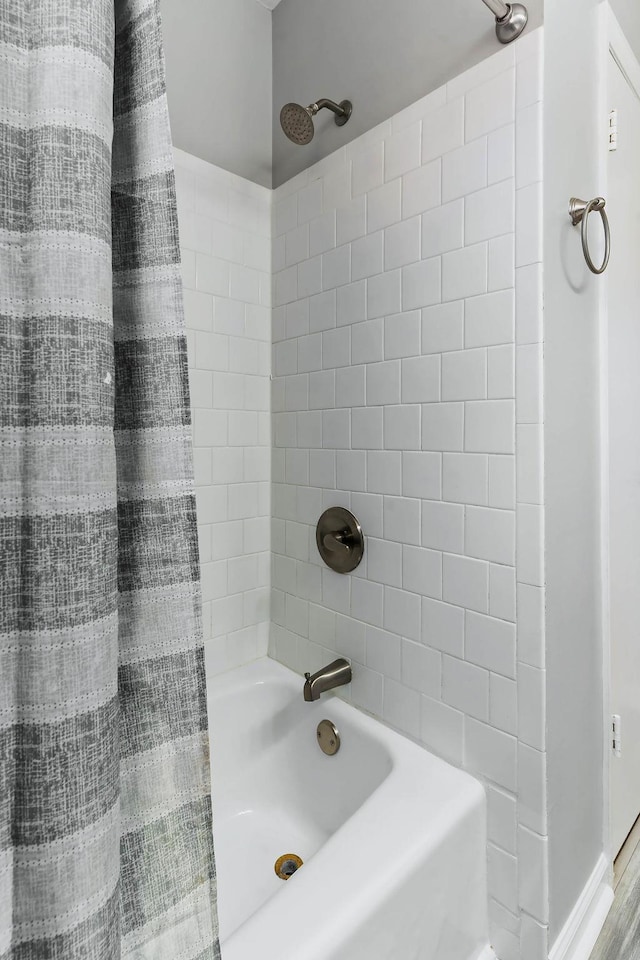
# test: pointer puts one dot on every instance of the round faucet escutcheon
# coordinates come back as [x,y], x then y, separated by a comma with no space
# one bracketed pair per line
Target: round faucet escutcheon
[340,539]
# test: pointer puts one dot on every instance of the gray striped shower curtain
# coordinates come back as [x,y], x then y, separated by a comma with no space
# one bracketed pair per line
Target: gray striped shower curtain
[106,844]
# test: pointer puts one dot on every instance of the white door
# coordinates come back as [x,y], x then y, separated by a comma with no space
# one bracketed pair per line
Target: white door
[623,205]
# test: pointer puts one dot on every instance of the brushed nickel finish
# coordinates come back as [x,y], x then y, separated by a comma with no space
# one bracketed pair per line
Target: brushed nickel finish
[511,26]
[343,113]
[297,121]
[511,19]
[579,211]
[340,539]
[498,8]
[328,737]
[335,674]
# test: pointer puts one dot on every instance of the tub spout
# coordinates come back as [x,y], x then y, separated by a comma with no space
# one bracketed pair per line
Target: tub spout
[336,674]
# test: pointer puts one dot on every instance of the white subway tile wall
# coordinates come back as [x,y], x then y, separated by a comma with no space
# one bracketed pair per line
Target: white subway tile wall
[407,356]
[225,226]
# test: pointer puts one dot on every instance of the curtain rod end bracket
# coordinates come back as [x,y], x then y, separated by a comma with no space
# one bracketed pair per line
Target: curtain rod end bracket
[511,26]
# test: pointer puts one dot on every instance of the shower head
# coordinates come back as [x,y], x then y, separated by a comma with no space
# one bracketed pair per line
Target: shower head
[297,121]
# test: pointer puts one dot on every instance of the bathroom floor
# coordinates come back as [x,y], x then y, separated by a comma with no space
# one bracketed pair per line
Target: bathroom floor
[620,936]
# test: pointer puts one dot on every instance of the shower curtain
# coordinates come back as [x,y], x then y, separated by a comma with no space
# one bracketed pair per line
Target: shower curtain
[106,844]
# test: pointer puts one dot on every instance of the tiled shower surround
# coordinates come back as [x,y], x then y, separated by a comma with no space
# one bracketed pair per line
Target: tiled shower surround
[406,385]
[403,387]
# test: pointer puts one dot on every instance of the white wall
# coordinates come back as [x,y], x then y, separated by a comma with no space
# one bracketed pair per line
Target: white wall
[404,384]
[572,494]
[218,60]
[225,245]
[628,14]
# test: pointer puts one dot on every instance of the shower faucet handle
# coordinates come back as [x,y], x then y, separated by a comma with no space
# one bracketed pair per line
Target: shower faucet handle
[339,541]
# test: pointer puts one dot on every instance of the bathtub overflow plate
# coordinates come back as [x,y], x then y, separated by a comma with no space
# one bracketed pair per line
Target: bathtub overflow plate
[328,737]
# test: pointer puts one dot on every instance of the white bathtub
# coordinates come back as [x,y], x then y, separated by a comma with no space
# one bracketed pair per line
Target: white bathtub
[392,838]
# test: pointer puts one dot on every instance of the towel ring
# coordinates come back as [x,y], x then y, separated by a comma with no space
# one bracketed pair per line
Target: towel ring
[579,211]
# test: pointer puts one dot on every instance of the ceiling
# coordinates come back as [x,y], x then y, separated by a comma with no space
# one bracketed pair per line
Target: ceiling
[269,4]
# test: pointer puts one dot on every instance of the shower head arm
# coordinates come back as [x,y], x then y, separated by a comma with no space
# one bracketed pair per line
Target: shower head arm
[341,110]
[328,105]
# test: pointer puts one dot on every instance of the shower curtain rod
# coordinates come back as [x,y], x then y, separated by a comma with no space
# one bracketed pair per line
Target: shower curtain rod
[499,9]
[511,19]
